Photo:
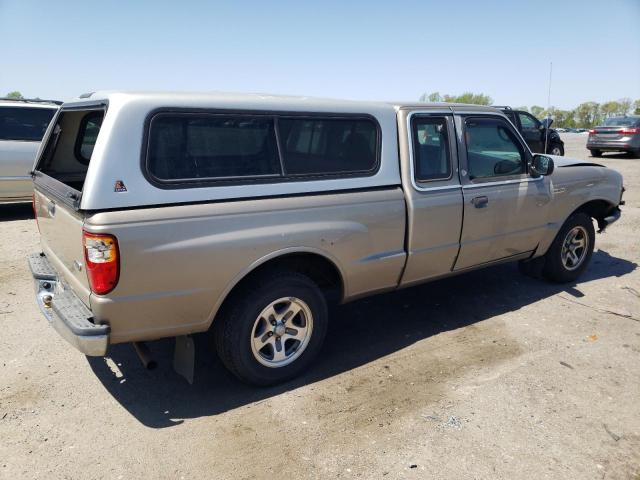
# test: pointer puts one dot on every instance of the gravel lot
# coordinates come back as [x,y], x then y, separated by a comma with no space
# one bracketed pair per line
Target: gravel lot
[486,375]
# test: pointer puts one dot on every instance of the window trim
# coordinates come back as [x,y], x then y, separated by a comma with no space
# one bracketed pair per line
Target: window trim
[283,177]
[515,178]
[77,147]
[412,145]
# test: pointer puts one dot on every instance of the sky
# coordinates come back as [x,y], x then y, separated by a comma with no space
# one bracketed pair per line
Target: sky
[362,50]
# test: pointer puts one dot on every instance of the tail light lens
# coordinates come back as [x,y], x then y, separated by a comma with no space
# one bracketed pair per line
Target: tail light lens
[630,131]
[592,131]
[102,260]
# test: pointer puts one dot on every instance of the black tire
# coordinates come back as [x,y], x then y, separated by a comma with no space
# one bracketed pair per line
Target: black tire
[595,153]
[558,147]
[233,329]
[554,268]
[633,153]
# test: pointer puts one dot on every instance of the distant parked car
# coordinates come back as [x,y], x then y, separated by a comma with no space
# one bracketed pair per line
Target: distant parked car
[537,134]
[617,134]
[22,126]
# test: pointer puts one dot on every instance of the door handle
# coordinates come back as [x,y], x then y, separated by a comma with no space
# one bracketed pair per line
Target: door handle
[480,202]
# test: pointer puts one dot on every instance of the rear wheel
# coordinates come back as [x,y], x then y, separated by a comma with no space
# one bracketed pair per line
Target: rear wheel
[272,328]
[595,153]
[571,250]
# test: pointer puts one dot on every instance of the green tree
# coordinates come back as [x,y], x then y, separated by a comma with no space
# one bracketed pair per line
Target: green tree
[15,95]
[609,109]
[525,109]
[625,106]
[636,107]
[466,97]
[537,111]
[431,97]
[563,119]
[588,114]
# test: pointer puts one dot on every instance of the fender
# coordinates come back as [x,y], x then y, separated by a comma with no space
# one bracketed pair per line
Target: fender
[272,256]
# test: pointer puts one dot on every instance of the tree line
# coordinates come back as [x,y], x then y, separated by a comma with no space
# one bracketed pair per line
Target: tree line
[585,115]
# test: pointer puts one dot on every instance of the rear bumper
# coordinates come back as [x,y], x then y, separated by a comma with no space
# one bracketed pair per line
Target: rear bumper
[613,146]
[65,311]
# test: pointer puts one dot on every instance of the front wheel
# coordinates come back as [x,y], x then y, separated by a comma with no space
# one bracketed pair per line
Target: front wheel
[571,250]
[595,153]
[556,149]
[272,329]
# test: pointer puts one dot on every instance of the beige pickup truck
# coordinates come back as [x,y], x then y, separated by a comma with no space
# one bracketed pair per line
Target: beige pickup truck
[168,214]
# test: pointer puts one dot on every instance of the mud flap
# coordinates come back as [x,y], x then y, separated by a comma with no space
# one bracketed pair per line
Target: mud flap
[184,357]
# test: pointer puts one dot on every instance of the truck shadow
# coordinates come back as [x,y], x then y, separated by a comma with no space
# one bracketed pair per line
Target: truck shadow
[360,332]
[15,211]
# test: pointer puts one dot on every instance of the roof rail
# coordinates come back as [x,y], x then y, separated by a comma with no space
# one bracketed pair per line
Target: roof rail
[506,107]
[31,100]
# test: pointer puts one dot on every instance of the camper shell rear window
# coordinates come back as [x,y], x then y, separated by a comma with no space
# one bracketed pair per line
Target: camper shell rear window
[69,148]
[202,148]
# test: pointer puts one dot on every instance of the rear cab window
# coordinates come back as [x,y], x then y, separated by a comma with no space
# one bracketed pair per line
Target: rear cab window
[431,157]
[24,124]
[67,153]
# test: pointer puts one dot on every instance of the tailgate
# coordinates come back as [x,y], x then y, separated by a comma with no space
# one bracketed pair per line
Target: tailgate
[61,239]
[59,183]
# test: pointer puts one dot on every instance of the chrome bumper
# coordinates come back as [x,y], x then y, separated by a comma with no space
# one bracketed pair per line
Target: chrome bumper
[65,311]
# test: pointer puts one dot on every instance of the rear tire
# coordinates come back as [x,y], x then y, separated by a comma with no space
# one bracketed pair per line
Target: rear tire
[595,153]
[272,328]
[571,250]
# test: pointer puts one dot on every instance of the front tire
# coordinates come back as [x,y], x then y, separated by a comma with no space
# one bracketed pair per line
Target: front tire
[595,153]
[272,328]
[556,149]
[571,250]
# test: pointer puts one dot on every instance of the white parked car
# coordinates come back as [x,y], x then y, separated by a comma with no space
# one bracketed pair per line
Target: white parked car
[22,126]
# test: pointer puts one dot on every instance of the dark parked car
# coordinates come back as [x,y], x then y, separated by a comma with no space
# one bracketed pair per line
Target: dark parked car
[618,134]
[535,132]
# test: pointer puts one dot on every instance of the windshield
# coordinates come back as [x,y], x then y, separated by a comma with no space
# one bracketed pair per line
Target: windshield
[621,121]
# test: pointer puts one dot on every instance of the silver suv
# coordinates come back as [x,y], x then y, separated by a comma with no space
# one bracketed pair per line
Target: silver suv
[22,125]
[165,214]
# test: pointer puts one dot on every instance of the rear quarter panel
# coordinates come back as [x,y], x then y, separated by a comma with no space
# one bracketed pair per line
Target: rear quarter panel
[178,263]
[16,161]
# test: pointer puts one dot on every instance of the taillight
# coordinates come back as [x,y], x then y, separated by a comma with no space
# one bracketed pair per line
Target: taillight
[630,131]
[35,210]
[102,261]
[592,131]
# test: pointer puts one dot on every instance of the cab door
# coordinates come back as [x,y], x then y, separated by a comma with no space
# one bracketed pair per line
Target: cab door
[531,131]
[433,193]
[505,209]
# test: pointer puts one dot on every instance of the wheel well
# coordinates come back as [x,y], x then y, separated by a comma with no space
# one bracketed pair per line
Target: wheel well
[318,268]
[597,209]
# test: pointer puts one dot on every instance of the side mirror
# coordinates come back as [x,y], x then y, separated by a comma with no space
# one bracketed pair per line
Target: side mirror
[541,165]
[546,123]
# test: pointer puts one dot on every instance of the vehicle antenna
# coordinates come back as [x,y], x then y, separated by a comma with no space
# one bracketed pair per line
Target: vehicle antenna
[546,130]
